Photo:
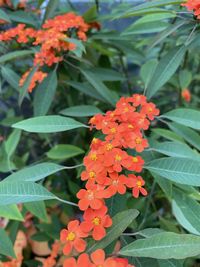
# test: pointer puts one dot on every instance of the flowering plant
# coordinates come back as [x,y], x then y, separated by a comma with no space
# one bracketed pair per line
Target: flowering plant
[99,139]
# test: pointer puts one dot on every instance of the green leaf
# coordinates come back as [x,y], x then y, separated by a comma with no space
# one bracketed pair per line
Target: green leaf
[24,88]
[50,9]
[165,245]
[165,184]
[146,6]
[185,78]
[107,74]
[170,263]
[14,55]
[120,222]
[11,212]
[174,149]
[35,172]
[38,209]
[145,27]
[4,16]
[178,170]
[80,111]
[48,124]
[11,77]
[147,71]
[62,151]
[165,69]
[25,17]
[184,116]
[168,134]
[6,247]
[14,192]
[186,210]
[12,142]
[44,94]
[99,86]
[80,48]
[188,134]
[86,89]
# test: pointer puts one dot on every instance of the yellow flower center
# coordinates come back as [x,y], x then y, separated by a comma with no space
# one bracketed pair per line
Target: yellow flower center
[118,158]
[139,183]
[115,182]
[126,109]
[94,140]
[135,159]
[96,221]
[71,236]
[130,126]
[93,156]
[92,174]
[138,141]
[113,130]
[150,109]
[109,146]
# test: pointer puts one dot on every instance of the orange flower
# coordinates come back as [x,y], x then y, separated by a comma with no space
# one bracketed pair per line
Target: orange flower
[116,158]
[116,184]
[150,110]
[82,261]
[136,182]
[193,5]
[38,77]
[136,163]
[92,197]
[72,237]
[96,221]
[98,259]
[186,95]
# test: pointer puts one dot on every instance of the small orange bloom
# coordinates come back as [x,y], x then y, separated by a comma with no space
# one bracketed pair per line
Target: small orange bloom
[92,197]
[72,237]
[82,261]
[96,221]
[99,260]
[136,183]
[193,5]
[186,95]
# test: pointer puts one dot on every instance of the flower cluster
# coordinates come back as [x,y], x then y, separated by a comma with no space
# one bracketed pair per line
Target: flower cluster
[54,38]
[193,5]
[109,170]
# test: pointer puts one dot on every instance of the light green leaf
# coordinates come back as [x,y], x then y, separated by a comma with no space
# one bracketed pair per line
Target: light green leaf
[120,222]
[168,134]
[12,142]
[165,245]
[99,86]
[186,210]
[4,16]
[107,74]
[178,170]
[11,77]
[147,71]
[184,116]
[185,78]
[48,124]
[165,184]
[62,151]
[188,134]
[80,111]
[25,17]
[38,209]
[14,192]
[175,149]
[146,27]
[14,55]
[6,247]
[44,94]
[35,172]
[11,212]
[165,69]
[170,263]
[50,9]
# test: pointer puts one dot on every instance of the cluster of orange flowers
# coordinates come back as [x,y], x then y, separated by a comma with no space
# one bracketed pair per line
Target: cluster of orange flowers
[109,170]
[51,260]
[193,5]
[53,39]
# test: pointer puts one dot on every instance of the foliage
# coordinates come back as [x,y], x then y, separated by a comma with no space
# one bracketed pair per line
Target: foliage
[121,187]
